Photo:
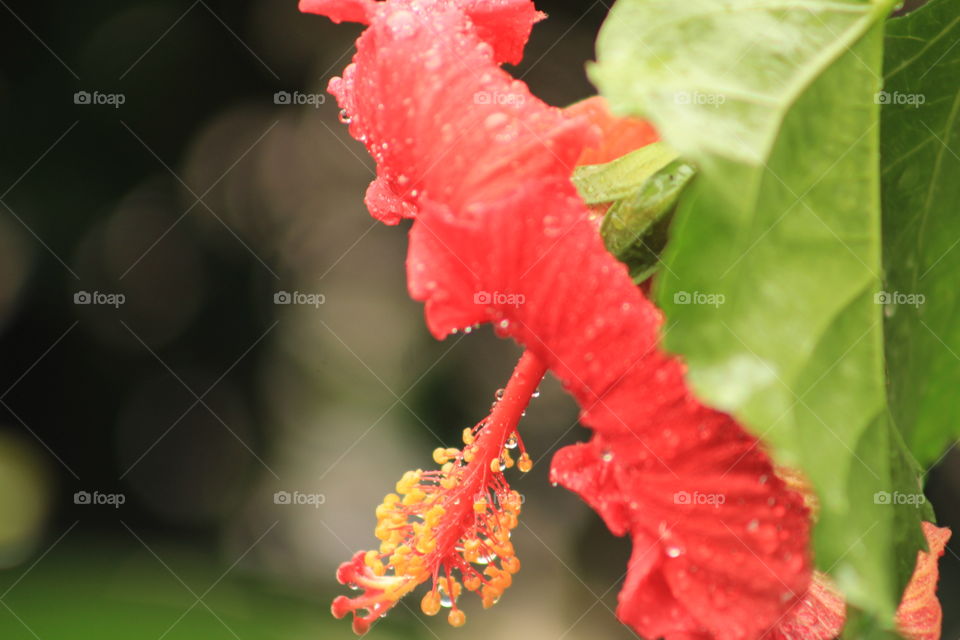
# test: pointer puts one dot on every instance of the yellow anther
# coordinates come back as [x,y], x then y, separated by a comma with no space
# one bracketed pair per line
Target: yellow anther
[456,618]
[430,604]
[495,465]
[383,531]
[525,463]
[408,482]
[480,505]
[440,455]
[472,582]
[471,550]
[468,437]
[388,548]
[383,511]
[433,516]
[507,459]
[415,496]
[510,563]
[426,545]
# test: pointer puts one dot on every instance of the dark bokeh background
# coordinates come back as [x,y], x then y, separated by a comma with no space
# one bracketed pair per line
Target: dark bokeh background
[198,199]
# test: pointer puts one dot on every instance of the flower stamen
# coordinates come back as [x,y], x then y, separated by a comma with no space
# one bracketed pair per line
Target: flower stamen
[449,522]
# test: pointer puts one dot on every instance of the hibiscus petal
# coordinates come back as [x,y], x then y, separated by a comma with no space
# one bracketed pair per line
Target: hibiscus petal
[818,616]
[448,124]
[618,136]
[919,616]
[340,10]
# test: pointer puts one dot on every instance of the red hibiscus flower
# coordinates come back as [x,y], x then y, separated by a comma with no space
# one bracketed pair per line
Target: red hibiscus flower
[500,235]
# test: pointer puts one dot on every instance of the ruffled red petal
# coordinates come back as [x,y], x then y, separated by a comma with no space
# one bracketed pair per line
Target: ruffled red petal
[443,121]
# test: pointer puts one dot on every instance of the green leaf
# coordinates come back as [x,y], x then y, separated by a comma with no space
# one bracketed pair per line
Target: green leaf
[634,229]
[600,183]
[774,101]
[920,141]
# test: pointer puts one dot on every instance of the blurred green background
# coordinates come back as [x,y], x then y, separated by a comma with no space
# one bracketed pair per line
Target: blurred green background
[196,400]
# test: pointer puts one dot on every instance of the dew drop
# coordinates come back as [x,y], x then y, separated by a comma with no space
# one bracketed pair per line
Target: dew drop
[402,23]
[495,120]
[511,442]
[674,551]
[535,394]
[445,599]
[344,116]
[553,484]
[607,455]
[499,394]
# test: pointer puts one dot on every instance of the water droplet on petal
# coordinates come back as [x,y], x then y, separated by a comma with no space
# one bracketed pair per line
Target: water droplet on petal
[535,394]
[674,551]
[403,24]
[499,394]
[344,116]
[511,442]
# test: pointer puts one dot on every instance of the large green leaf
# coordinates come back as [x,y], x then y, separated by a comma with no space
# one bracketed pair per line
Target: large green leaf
[774,100]
[921,224]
